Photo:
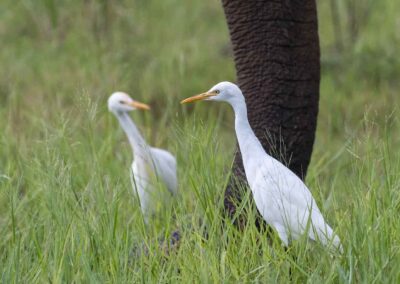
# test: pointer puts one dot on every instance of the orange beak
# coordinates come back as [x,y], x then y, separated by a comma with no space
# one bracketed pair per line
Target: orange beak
[138,105]
[200,97]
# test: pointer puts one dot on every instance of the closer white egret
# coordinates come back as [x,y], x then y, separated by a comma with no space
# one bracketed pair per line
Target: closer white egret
[281,197]
[150,165]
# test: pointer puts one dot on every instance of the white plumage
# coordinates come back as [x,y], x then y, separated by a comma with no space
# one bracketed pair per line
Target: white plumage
[151,166]
[281,197]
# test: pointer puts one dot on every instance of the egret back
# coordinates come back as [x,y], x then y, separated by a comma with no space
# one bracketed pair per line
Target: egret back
[284,200]
[165,167]
[150,172]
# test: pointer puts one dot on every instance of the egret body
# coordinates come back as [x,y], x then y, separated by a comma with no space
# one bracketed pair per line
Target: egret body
[150,165]
[281,197]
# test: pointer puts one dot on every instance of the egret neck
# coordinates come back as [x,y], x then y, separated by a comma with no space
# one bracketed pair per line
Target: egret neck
[249,144]
[136,140]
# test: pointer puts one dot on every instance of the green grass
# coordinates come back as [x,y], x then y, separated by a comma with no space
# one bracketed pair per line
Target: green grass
[67,211]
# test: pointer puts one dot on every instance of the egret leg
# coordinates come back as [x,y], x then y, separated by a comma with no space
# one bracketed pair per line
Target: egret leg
[285,240]
[282,234]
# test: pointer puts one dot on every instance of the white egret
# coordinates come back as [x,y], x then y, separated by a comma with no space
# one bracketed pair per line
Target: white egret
[150,165]
[281,197]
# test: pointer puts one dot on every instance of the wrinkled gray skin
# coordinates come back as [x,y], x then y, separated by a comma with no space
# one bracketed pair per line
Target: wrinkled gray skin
[276,51]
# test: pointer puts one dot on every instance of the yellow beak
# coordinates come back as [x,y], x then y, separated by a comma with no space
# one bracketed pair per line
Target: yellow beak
[138,105]
[200,97]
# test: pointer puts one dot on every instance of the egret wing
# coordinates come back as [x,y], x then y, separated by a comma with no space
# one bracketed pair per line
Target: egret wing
[282,198]
[165,166]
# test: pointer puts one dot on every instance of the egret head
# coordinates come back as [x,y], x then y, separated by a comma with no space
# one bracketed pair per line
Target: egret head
[122,102]
[223,91]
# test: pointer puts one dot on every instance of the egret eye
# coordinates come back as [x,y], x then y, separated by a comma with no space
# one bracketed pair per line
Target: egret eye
[122,102]
[217,92]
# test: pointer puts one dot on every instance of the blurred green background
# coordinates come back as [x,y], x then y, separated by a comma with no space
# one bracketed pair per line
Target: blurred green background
[53,53]
[66,212]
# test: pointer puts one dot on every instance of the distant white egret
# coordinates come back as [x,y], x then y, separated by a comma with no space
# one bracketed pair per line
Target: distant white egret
[281,197]
[150,165]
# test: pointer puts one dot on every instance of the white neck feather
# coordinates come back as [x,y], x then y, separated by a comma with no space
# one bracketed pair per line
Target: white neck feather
[136,140]
[249,144]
